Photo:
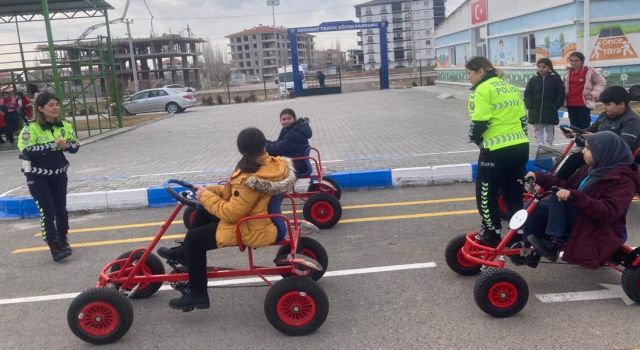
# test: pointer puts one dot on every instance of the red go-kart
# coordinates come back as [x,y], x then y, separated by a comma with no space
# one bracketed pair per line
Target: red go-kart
[502,292]
[294,305]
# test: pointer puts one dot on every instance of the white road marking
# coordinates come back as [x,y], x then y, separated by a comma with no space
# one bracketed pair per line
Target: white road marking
[237,281]
[612,292]
[8,192]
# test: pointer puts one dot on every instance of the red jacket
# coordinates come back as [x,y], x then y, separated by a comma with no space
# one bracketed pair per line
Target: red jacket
[598,230]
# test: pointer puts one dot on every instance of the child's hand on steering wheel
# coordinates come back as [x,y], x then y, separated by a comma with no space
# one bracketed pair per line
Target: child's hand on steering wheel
[563,195]
[199,190]
[530,176]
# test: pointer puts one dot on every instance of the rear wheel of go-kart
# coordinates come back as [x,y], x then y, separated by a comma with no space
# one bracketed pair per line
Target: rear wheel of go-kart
[309,247]
[153,266]
[189,216]
[631,283]
[314,186]
[457,261]
[500,292]
[322,210]
[296,306]
[100,315]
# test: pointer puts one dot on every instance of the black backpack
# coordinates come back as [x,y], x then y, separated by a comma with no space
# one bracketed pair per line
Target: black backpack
[634,93]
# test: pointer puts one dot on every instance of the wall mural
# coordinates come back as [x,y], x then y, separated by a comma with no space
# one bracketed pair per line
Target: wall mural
[504,51]
[614,42]
[442,58]
[556,44]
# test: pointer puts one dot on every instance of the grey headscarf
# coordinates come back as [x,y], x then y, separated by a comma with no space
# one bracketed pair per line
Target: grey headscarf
[608,151]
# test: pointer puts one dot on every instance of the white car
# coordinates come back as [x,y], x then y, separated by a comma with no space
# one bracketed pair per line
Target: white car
[181,88]
[161,99]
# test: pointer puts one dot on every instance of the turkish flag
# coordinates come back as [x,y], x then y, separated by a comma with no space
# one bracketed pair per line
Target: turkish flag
[478,11]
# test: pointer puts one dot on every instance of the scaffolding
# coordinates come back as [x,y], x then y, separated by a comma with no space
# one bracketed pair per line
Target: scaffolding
[84,81]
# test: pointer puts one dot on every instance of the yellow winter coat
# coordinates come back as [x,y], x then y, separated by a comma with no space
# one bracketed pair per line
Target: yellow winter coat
[248,194]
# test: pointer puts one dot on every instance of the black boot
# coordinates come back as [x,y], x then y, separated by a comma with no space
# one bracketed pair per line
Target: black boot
[489,238]
[64,243]
[57,251]
[190,301]
[174,254]
[547,248]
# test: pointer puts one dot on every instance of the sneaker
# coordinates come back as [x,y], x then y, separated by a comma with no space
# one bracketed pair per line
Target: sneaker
[489,238]
[190,301]
[174,253]
[544,247]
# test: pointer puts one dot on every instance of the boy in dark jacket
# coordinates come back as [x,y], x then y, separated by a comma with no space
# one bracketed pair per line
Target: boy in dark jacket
[293,140]
[543,96]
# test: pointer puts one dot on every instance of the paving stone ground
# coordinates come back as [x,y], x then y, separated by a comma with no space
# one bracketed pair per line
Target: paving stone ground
[354,131]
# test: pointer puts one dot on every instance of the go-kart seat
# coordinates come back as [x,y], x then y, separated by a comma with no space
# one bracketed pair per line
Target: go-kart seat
[303,166]
[274,207]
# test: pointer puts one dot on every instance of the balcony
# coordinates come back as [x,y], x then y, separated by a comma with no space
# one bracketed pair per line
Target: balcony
[359,33]
[397,19]
[359,42]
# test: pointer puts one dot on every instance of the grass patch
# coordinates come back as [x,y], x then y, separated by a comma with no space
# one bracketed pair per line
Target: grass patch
[104,123]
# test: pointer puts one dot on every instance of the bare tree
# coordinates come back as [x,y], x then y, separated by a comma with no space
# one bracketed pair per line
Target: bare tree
[216,65]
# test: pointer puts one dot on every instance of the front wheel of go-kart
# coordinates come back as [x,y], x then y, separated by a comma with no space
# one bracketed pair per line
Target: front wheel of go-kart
[153,266]
[308,247]
[457,261]
[100,316]
[500,292]
[314,187]
[189,216]
[630,281]
[296,306]
[322,210]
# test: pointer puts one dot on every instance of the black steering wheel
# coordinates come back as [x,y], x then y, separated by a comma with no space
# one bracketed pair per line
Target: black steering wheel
[186,197]
[566,128]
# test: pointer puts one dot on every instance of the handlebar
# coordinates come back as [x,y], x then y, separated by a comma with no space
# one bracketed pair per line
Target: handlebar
[185,197]
[573,128]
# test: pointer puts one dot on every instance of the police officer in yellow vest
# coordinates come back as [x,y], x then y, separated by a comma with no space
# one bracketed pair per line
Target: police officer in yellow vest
[42,142]
[499,128]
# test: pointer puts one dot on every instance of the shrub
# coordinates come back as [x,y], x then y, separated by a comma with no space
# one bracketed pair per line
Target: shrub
[219,100]
[210,101]
[250,98]
[237,99]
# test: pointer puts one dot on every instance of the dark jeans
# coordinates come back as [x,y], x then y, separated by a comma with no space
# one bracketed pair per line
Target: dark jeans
[197,242]
[500,169]
[50,195]
[551,218]
[579,117]
[570,165]
[11,121]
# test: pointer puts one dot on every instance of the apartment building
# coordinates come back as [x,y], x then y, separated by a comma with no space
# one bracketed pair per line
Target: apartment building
[256,49]
[410,33]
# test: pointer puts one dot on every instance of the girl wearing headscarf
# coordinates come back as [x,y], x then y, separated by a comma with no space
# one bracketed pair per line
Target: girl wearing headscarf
[588,213]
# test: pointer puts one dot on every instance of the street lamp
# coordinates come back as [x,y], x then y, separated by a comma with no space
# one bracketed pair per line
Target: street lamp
[273,4]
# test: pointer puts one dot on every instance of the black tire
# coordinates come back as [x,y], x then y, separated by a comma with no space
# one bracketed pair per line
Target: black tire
[630,281]
[188,216]
[500,292]
[172,108]
[456,261]
[503,208]
[322,210]
[309,247]
[313,187]
[100,316]
[296,306]
[153,266]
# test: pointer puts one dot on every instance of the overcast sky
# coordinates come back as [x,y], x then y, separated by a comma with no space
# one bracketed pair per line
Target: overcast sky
[209,19]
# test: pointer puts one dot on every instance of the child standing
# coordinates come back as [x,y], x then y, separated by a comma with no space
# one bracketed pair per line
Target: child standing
[543,96]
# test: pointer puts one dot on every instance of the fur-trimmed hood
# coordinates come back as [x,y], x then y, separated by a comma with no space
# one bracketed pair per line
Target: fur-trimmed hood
[275,176]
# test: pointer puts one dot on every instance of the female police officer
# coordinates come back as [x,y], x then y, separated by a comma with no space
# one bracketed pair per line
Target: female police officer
[499,128]
[42,142]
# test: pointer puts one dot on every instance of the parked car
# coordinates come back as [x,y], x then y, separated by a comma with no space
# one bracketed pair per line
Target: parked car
[181,88]
[161,99]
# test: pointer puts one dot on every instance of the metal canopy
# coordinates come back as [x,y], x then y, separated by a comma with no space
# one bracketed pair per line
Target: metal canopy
[27,10]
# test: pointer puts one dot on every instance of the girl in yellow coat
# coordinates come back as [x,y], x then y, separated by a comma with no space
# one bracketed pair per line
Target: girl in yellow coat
[256,179]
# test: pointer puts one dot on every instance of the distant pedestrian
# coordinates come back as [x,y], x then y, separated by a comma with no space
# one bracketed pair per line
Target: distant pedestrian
[3,112]
[543,96]
[11,118]
[320,77]
[41,144]
[583,86]
[25,108]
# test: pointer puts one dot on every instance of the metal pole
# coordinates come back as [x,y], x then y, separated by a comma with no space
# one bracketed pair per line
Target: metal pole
[24,67]
[134,64]
[420,73]
[587,35]
[112,68]
[275,38]
[52,53]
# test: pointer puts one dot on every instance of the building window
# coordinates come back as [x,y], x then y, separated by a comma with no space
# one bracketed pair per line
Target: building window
[239,48]
[428,42]
[452,56]
[246,38]
[529,48]
[238,39]
[255,46]
[246,47]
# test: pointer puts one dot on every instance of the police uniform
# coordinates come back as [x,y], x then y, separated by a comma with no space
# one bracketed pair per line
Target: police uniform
[45,168]
[499,128]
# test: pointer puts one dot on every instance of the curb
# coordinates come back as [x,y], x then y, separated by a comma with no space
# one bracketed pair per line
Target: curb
[15,208]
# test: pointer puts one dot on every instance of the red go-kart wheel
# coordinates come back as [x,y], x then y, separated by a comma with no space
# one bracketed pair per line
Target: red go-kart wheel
[457,261]
[100,316]
[153,266]
[189,216]
[308,246]
[322,210]
[500,292]
[296,306]
[314,186]
[631,283]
